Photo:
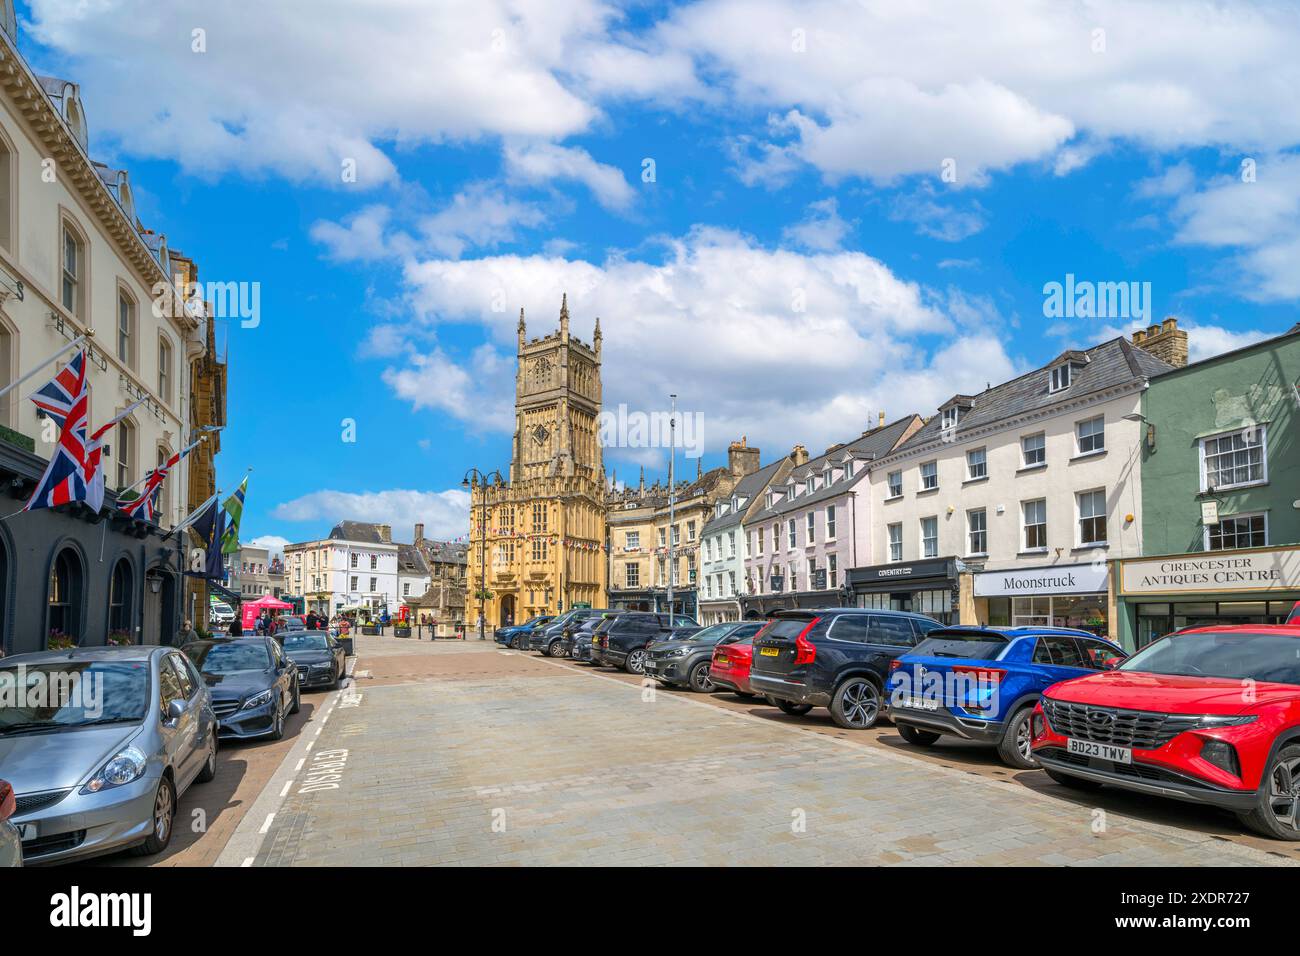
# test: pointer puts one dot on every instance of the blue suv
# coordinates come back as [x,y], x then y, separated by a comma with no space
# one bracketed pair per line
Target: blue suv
[981,683]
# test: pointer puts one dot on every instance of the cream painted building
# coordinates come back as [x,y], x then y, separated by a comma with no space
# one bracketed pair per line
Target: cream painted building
[74,256]
[1008,506]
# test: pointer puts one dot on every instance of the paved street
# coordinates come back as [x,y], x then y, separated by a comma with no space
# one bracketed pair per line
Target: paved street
[462,754]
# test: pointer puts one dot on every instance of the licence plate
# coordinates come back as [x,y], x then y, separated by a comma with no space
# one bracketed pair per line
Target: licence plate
[1086,748]
[26,831]
[919,703]
[770,651]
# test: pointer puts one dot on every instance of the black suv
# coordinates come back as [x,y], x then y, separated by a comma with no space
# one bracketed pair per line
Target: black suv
[836,658]
[553,639]
[622,642]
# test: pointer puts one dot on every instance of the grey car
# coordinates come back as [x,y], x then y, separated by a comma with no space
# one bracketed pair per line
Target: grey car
[99,744]
[11,844]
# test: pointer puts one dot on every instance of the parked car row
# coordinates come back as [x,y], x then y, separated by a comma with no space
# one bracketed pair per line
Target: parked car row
[102,742]
[1206,715]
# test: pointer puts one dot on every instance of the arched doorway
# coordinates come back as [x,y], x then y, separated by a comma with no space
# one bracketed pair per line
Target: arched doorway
[63,618]
[121,603]
[507,610]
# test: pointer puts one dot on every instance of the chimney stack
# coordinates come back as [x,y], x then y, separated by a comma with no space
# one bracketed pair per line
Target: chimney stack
[419,531]
[1165,341]
[799,455]
[741,459]
[386,533]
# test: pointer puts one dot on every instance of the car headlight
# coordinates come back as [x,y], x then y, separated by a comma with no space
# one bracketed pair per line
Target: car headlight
[125,766]
[1215,720]
[258,700]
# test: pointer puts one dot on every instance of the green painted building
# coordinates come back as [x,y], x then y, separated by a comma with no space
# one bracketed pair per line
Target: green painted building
[1220,495]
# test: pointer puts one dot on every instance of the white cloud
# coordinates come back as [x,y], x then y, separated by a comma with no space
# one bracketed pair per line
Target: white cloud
[786,347]
[479,216]
[821,230]
[362,237]
[445,514]
[272,542]
[946,222]
[546,164]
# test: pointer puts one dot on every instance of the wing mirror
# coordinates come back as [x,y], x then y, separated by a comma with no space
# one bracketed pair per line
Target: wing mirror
[175,711]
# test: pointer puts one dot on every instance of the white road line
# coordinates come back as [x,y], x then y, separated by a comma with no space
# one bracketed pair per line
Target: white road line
[248,861]
[299,764]
[266,824]
[288,785]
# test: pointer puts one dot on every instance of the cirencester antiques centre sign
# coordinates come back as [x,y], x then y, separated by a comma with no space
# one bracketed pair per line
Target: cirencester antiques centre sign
[1269,569]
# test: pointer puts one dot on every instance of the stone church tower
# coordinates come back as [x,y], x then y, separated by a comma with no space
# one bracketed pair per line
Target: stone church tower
[540,534]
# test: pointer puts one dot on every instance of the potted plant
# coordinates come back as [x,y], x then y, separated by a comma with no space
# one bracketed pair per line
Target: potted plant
[58,641]
[120,638]
[401,629]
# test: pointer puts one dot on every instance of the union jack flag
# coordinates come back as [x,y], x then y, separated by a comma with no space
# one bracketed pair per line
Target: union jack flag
[65,399]
[146,506]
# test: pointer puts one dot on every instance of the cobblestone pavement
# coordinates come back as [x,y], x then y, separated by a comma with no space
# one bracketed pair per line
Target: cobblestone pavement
[462,754]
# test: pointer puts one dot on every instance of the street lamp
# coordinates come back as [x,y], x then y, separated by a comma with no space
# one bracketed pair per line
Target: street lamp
[476,477]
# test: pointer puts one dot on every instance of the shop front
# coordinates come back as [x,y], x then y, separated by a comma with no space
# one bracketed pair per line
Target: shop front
[1155,596]
[1071,595]
[928,587]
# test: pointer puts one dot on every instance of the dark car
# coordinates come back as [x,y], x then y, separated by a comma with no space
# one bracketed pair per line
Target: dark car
[686,662]
[320,659]
[552,640]
[254,686]
[836,658]
[579,644]
[623,642]
[516,634]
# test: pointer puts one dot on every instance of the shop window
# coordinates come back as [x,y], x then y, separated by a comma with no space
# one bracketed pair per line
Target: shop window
[1233,461]
[1238,531]
[63,621]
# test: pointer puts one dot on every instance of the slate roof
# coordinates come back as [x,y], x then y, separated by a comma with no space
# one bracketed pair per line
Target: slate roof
[361,531]
[410,560]
[1110,364]
[445,552]
[750,487]
[874,444]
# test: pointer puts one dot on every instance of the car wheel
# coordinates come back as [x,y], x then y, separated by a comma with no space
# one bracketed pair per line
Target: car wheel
[164,815]
[1016,746]
[555,649]
[856,704]
[209,770]
[917,736]
[1074,783]
[1277,811]
[277,729]
[700,682]
[635,663]
[297,699]
[791,708]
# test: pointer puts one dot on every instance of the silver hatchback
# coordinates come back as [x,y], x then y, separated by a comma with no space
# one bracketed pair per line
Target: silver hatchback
[98,744]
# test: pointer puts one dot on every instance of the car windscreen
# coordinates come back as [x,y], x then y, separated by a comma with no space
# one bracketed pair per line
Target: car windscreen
[711,634]
[305,642]
[787,628]
[67,694]
[229,658]
[972,645]
[1236,655]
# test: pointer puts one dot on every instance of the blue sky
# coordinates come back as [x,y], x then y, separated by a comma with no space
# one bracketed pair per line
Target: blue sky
[799,155]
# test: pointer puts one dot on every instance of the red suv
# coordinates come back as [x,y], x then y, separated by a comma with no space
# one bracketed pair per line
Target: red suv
[1207,715]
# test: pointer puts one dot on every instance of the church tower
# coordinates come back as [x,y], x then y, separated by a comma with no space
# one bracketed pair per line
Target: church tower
[539,536]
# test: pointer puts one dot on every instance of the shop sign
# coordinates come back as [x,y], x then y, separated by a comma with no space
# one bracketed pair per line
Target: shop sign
[1060,579]
[1212,572]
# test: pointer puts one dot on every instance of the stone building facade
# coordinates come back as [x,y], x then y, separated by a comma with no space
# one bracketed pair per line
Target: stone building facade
[537,538]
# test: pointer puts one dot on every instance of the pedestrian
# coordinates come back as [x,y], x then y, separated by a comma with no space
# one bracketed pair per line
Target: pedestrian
[187,633]
[236,629]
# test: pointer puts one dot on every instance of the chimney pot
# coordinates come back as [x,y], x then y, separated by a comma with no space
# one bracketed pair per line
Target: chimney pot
[882,419]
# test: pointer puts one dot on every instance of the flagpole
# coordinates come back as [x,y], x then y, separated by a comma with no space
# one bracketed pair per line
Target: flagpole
[179,455]
[193,515]
[89,333]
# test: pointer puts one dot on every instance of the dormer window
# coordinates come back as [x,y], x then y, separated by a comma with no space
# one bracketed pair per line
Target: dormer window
[810,485]
[848,469]
[951,416]
[1060,378]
